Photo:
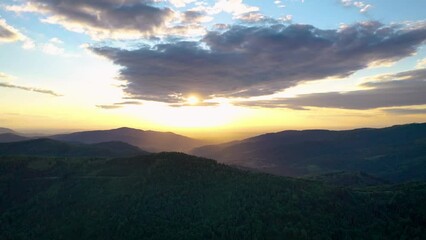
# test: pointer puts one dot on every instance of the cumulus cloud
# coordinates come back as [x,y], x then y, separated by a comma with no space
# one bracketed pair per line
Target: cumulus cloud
[234,7]
[104,18]
[251,61]
[181,3]
[52,49]
[392,90]
[30,89]
[362,6]
[192,17]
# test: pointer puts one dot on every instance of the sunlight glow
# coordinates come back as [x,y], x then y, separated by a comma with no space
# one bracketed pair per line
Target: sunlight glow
[192,100]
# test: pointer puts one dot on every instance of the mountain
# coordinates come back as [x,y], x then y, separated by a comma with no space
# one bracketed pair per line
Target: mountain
[395,153]
[10,137]
[148,140]
[6,130]
[349,179]
[176,196]
[53,148]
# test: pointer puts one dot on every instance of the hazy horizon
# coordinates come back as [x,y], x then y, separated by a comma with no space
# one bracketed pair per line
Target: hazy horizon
[221,70]
[213,137]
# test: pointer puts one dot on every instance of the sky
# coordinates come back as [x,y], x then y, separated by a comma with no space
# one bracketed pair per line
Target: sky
[220,70]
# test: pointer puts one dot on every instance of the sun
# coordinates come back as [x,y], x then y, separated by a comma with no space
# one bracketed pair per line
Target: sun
[192,100]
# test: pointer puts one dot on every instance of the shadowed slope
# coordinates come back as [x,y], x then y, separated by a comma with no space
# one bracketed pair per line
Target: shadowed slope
[395,153]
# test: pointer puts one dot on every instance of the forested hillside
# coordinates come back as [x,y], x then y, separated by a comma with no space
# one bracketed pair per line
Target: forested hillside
[396,154]
[177,196]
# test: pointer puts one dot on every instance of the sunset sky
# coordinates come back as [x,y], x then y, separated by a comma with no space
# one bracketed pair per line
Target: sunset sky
[211,69]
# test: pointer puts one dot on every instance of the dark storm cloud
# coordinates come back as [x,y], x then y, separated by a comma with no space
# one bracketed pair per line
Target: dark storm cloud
[259,60]
[102,17]
[30,89]
[402,89]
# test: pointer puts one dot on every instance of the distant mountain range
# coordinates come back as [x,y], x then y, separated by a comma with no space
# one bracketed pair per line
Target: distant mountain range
[151,141]
[114,190]
[11,137]
[6,130]
[53,148]
[395,153]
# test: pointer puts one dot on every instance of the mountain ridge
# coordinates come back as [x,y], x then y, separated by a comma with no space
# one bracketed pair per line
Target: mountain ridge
[149,140]
[7,130]
[307,152]
[11,137]
[54,148]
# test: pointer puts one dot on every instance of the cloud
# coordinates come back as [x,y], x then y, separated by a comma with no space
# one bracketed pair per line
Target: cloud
[9,33]
[108,106]
[181,3]
[258,18]
[5,76]
[405,111]
[234,7]
[279,4]
[195,17]
[245,61]
[421,63]
[118,105]
[199,104]
[30,89]
[362,6]
[104,18]
[52,49]
[392,90]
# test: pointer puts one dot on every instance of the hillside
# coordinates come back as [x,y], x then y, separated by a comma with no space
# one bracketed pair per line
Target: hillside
[349,179]
[53,148]
[148,140]
[10,137]
[396,153]
[176,196]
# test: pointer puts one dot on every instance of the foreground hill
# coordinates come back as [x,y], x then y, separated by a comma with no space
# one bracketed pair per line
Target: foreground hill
[396,153]
[148,140]
[10,137]
[176,196]
[53,148]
